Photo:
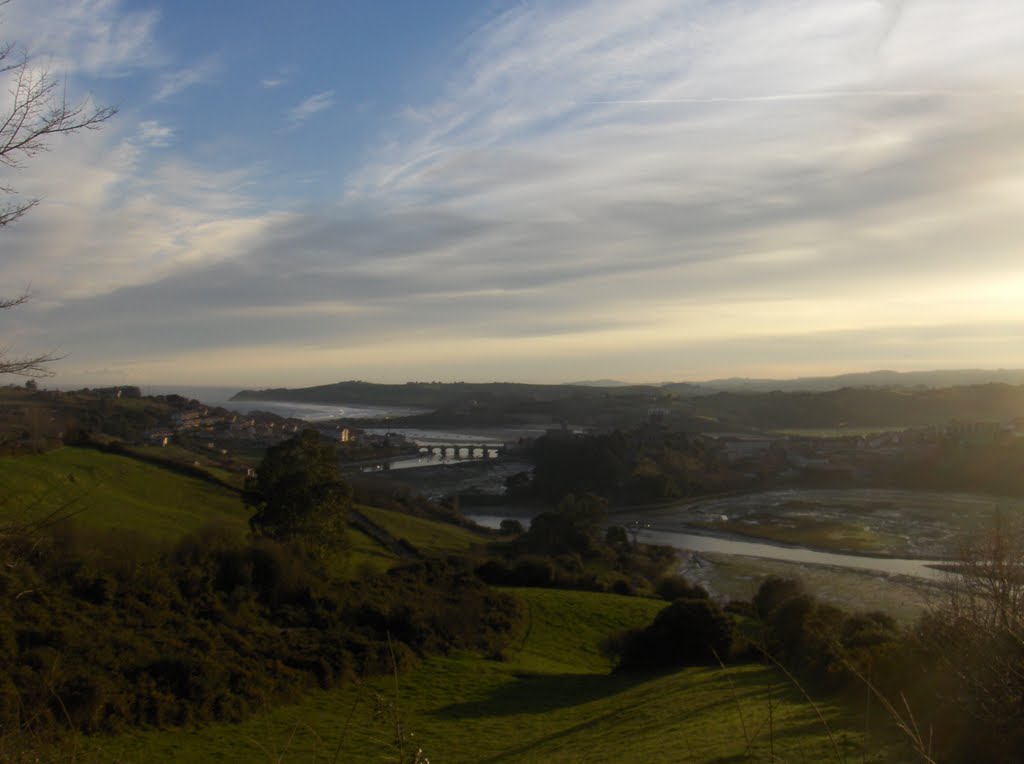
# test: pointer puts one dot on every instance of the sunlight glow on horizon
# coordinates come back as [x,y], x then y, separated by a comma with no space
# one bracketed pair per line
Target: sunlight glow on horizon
[670,192]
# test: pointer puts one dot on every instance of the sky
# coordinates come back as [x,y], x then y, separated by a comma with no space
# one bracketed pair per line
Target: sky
[306,192]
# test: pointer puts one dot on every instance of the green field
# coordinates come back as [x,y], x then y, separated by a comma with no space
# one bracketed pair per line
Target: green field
[428,536]
[106,491]
[549,698]
[363,554]
[110,492]
[172,453]
[552,699]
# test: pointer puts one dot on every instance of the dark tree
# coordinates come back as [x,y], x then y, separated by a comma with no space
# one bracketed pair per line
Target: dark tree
[571,529]
[298,495]
[511,527]
[775,591]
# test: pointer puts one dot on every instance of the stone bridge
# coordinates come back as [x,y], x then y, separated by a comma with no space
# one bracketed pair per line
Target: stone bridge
[463,450]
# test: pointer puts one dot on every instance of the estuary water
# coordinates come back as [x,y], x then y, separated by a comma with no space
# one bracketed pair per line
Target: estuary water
[722,544]
[310,412]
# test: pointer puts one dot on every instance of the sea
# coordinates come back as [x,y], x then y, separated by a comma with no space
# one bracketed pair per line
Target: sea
[310,412]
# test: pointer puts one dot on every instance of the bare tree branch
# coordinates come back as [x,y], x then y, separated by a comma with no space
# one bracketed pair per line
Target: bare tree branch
[25,366]
[37,110]
[14,302]
[29,366]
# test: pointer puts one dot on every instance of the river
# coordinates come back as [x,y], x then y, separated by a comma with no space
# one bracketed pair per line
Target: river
[310,412]
[721,544]
[667,527]
[322,412]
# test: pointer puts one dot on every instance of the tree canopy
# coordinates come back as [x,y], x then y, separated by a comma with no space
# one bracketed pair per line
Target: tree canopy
[298,495]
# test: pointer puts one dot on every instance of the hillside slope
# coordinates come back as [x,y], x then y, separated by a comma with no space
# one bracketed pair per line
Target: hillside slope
[108,491]
[551,700]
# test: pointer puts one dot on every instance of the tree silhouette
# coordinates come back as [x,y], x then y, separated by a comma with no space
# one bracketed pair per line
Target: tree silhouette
[298,495]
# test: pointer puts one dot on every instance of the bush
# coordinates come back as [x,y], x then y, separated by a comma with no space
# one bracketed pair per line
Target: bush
[689,632]
[622,586]
[511,527]
[533,571]
[823,645]
[102,645]
[773,591]
[674,587]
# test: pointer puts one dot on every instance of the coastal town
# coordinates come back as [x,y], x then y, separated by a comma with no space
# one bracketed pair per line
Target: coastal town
[188,430]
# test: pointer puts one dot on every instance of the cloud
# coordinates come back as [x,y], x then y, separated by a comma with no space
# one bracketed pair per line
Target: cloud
[154,134]
[114,214]
[172,83]
[281,77]
[310,106]
[95,37]
[673,189]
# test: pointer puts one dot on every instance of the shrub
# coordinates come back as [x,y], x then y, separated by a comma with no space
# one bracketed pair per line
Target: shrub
[773,591]
[622,586]
[689,632]
[511,527]
[674,587]
[533,571]
[106,645]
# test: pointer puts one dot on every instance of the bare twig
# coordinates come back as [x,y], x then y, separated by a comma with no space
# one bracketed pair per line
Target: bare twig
[38,110]
[807,697]
[398,719]
[748,740]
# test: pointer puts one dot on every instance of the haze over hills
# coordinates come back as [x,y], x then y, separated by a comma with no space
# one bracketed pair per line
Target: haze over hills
[599,383]
[434,393]
[876,399]
[879,378]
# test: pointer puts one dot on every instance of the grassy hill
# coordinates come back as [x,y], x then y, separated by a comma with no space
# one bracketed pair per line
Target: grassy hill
[551,700]
[428,536]
[104,491]
[108,491]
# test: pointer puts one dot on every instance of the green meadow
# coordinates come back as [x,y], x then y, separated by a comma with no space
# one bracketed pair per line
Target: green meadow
[111,492]
[429,537]
[551,698]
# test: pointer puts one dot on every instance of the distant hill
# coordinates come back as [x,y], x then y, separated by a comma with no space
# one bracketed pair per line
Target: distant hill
[496,404]
[863,407]
[871,400]
[881,378]
[439,394]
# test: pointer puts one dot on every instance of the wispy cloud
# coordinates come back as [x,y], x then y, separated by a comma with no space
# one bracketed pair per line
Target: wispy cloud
[691,188]
[154,134]
[310,106]
[96,37]
[172,83]
[282,76]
